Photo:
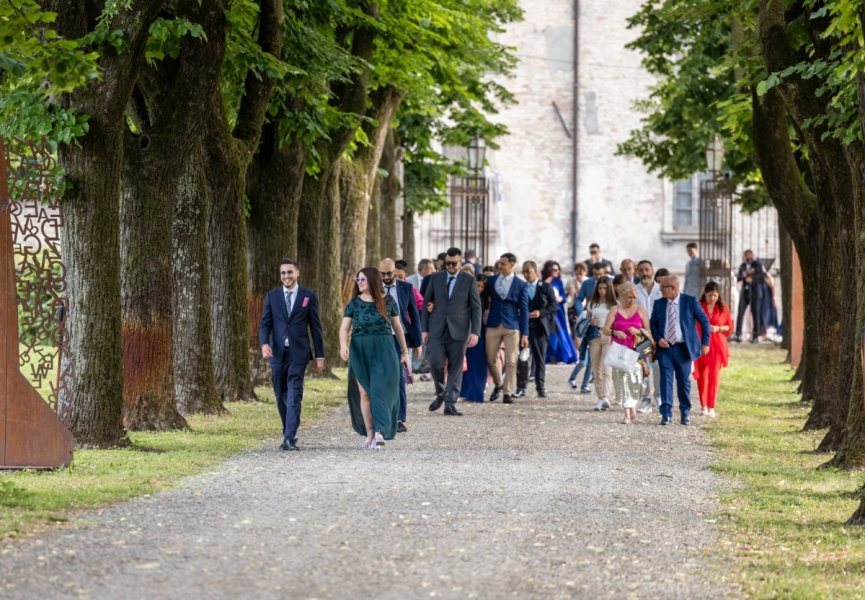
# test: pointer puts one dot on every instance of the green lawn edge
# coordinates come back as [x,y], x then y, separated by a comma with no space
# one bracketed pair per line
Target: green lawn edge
[782,519]
[33,500]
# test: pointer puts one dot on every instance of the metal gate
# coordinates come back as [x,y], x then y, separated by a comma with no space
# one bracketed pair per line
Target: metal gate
[716,234]
[470,214]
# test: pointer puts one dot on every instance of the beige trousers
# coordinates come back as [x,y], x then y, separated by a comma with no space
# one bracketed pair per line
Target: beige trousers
[603,374]
[511,339]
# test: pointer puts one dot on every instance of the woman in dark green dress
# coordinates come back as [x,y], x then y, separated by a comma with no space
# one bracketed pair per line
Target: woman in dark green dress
[373,364]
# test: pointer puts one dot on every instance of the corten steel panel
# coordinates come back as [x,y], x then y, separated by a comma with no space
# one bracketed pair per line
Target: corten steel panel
[32,434]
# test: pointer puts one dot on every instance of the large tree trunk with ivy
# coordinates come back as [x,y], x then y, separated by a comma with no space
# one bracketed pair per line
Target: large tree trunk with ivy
[834,187]
[408,249]
[373,225]
[145,290]
[194,377]
[274,183]
[167,113]
[91,404]
[390,189]
[354,211]
[228,153]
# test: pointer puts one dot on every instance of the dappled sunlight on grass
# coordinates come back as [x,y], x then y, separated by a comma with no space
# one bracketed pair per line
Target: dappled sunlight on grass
[152,462]
[784,522]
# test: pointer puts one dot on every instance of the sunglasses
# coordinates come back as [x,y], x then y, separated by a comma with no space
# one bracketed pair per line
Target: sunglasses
[361,280]
[286,272]
[452,263]
[386,273]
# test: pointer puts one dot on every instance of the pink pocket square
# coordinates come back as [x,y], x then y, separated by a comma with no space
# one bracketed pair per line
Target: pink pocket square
[305,301]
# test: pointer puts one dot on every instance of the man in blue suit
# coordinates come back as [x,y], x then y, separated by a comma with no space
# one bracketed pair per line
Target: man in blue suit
[673,322]
[290,313]
[508,322]
[402,294]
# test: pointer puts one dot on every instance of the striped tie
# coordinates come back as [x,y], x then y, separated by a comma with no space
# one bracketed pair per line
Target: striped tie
[672,333]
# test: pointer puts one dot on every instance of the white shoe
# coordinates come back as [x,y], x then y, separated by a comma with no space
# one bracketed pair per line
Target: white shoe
[600,405]
[704,411]
[605,404]
[711,412]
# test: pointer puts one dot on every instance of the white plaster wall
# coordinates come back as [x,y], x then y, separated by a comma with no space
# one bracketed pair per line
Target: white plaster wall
[535,162]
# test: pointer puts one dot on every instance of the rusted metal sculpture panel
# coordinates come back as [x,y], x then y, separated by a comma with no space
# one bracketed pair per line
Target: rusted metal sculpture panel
[31,324]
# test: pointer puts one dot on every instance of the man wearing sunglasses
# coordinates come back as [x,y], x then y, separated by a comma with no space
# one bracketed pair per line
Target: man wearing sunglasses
[403,294]
[453,325]
[290,313]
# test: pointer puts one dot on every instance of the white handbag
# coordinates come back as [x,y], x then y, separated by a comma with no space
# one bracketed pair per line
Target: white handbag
[621,357]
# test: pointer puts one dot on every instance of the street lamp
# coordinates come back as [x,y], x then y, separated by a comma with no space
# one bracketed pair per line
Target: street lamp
[715,154]
[477,152]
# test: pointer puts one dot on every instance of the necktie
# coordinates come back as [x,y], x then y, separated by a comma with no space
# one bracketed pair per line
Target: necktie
[288,297]
[532,289]
[501,290]
[672,333]
[451,280]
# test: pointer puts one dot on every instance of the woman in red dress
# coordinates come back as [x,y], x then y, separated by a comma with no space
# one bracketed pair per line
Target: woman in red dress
[707,369]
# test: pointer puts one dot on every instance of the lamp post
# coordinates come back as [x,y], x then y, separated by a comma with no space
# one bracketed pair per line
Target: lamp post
[477,153]
[715,155]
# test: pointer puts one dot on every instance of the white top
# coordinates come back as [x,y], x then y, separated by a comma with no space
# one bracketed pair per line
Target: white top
[600,312]
[647,299]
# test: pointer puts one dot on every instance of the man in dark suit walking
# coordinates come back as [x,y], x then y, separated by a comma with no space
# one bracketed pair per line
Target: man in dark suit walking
[673,322]
[402,294]
[290,313]
[508,323]
[453,326]
[752,275]
[542,322]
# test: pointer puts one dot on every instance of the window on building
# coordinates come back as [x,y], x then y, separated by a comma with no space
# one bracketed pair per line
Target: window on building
[683,205]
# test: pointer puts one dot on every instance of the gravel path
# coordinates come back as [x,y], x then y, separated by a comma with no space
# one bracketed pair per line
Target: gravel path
[540,499]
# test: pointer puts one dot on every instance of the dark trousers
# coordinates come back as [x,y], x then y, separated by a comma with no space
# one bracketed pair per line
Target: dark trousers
[452,352]
[287,377]
[538,339]
[403,403]
[750,297]
[675,363]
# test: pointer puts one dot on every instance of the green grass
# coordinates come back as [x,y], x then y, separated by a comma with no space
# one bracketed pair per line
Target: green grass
[783,521]
[29,500]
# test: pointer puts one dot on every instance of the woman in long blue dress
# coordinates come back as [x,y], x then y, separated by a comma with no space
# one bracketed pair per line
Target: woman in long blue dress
[475,378]
[373,364]
[560,347]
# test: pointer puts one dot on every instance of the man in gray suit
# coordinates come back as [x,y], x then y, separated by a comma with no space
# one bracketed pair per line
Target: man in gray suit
[453,325]
[424,269]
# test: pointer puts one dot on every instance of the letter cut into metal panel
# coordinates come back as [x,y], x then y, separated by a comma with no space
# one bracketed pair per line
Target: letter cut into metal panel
[31,313]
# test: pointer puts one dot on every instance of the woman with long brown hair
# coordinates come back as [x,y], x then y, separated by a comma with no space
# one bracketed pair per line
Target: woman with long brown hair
[707,369]
[373,364]
[601,302]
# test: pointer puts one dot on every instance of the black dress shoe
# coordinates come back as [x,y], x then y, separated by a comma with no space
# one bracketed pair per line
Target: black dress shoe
[665,420]
[519,393]
[507,399]
[686,421]
[400,427]
[284,445]
[495,395]
[289,445]
[452,412]
[436,404]
[542,393]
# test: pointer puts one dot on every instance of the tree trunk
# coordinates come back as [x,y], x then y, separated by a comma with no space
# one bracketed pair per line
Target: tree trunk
[786,251]
[274,184]
[391,187]
[194,380]
[408,250]
[330,296]
[145,287]
[354,209]
[91,402]
[374,225]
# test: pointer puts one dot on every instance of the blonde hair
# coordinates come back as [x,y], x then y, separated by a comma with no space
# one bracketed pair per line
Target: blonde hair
[625,288]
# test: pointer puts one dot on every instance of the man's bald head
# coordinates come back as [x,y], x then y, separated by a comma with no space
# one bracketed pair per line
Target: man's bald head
[386,268]
[670,287]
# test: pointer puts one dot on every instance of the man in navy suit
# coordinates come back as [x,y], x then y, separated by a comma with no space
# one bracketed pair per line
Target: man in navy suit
[508,322]
[673,322]
[402,294]
[290,313]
